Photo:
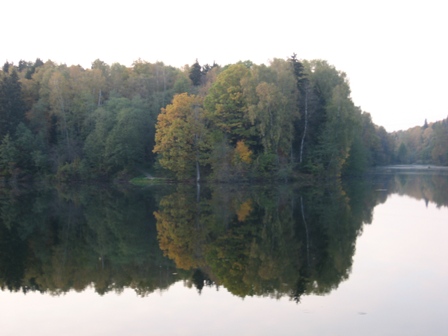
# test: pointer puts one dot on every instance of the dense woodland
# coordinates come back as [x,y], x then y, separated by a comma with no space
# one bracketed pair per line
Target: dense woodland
[225,123]
[423,144]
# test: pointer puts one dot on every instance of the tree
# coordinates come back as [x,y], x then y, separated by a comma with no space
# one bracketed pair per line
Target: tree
[302,84]
[119,80]
[272,98]
[8,156]
[243,153]
[363,144]
[99,74]
[440,150]
[12,105]
[119,138]
[26,145]
[403,153]
[196,74]
[338,132]
[331,119]
[6,67]
[127,141]
[181,136]
[227,105]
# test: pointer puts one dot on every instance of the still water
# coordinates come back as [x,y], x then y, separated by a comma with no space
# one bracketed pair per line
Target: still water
[365,257]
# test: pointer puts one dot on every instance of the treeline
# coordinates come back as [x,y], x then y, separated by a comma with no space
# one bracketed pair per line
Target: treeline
[233,122]
[76,123]
[427,144]
[268,121]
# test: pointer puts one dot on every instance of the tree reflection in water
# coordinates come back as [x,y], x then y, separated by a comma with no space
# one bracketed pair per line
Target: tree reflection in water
[254,240]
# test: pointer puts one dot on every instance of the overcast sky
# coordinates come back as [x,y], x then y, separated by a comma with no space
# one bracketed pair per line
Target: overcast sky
[395,53]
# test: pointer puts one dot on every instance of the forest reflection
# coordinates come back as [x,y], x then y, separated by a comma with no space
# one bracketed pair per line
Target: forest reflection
[276,241]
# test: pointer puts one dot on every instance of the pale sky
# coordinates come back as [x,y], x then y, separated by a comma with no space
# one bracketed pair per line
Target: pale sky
[394,52]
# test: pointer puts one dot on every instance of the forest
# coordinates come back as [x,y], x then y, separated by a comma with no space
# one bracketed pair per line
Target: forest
[286,120]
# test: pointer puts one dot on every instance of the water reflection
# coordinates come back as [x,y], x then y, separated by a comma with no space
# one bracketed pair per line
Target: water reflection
[55,240]
[257,241]
[254,241]
[429,184]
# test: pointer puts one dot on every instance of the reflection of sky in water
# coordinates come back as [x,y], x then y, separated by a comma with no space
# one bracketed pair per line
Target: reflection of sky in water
[398,286]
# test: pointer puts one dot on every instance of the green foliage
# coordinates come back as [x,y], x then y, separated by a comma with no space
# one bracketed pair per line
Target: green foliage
[26,144]
[294,116]
[8,156]
[331,119]
[266,165]
[226,104]
[12,105]
[182,84]
[120,136]
[299,74]
[440,148]
[423,145]
[196,74]
[358,159]
[126,144]
[272,98]
[69,172]
[147,181]
[403,153]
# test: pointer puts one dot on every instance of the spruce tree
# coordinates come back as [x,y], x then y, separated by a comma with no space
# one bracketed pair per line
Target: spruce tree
[196,74]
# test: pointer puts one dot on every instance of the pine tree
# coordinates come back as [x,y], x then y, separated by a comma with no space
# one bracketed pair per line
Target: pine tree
[196,73]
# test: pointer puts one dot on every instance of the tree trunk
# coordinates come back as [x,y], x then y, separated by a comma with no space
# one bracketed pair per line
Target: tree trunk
[307,243]
[198,173]
[306,126]
[99,98]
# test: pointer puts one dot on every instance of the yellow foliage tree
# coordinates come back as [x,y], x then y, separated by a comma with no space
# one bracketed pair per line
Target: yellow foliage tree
[181,136]
[244,210]
[243,152]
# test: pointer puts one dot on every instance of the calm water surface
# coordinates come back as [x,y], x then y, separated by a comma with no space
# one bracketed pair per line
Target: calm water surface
[360,258]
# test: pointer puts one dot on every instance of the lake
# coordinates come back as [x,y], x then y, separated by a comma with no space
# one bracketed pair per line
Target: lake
[360,257]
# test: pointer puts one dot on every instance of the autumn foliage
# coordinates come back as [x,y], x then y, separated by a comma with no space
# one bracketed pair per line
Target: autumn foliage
[236,122]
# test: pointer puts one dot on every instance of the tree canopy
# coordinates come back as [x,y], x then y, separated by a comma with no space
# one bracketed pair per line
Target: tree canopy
[234,122]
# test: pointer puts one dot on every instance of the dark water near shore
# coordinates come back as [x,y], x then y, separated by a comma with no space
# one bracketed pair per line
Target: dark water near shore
[364,257]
